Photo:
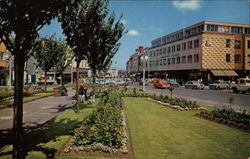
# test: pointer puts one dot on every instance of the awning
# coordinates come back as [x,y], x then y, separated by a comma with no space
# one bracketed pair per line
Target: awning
[218,73]
[230,73]
[224,73]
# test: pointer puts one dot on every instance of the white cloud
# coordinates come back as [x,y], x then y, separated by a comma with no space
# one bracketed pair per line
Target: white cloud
[133,32]
[187,4]
[124,22]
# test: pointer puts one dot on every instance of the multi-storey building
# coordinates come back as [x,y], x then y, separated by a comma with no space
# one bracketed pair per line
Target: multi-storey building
[206,50]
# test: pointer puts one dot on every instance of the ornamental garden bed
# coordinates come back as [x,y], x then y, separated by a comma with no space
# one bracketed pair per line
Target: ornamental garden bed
[176,107]
[102,133]
[228,117]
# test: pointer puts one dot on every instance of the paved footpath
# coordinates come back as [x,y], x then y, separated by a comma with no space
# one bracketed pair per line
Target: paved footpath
[39,111]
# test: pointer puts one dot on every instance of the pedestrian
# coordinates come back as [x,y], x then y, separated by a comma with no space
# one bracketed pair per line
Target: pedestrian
[92,97]
[81,94]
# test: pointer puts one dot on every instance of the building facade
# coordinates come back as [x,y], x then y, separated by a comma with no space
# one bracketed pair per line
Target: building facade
[206,51]
[4,73]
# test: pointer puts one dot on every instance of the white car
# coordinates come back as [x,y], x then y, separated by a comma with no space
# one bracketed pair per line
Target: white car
[120,82]
[219,85]
[194,85]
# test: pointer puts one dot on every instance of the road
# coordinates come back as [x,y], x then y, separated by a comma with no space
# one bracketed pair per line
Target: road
[214,98]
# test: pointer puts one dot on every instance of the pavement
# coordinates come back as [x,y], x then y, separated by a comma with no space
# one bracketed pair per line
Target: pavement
[38,112]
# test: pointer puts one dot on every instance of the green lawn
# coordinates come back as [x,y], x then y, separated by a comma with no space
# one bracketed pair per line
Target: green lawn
[25,99]
[164,133]
[157,132]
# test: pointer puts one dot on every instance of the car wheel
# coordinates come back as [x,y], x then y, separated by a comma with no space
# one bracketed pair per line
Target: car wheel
[235,90]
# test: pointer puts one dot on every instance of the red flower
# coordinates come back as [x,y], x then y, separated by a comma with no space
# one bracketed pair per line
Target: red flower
[92,131]
[78,130]
[94,125]
[110,117]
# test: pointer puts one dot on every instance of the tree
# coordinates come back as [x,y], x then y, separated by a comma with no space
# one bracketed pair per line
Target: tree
[79,23]
[171,89]
[21,21]
[105,45]
[48,53]
[64,62]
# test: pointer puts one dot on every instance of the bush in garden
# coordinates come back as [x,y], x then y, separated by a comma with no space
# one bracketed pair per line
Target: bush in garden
[102,126]
[5,93]
[227,114]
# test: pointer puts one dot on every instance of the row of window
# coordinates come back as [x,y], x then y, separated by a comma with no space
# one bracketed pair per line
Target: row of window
[227,29]
[237,58]
[177,60]
[175,48]
[237,44]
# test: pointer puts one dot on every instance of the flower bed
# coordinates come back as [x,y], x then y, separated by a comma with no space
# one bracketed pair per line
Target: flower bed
[228,117]
[176,103]
[104,130]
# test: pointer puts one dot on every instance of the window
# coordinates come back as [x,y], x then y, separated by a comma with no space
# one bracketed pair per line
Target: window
[1,56]
[248,58]
[157,61]
[213,28]
[237,59]
[228,58]
[173,48]
[183,59]
[169,49]
[150,64]
[228,41]
[196,43]
[237,44]
[173,60]
[160,51]
[248,44]
[196,58]
[178,47]
[169,61]
[161,62]
[164,50]
[164,61]
[178,60]
[237,30]
[183,46]
[190,44]
[189,58]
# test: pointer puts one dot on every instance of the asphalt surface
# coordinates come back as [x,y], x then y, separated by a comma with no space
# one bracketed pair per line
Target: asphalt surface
[214,98]
[38,112]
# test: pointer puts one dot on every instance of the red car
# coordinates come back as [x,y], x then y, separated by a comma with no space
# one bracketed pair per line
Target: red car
[161,84]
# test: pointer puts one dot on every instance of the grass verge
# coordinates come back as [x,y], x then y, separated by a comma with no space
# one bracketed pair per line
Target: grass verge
[164,133]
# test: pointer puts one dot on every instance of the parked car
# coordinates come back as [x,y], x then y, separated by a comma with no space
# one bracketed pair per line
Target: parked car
[243,86]
[174,83]
[141,82]
[219,85]
[49,81]
[161,84]
[129,81]
[194,85]
[120,82]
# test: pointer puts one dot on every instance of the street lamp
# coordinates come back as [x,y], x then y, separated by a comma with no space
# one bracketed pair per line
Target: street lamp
[144,59]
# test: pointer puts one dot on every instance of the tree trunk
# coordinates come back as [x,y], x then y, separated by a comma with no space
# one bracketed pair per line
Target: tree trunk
[61,78]
[77,90]
[45,82]
[94,79]
[18,143]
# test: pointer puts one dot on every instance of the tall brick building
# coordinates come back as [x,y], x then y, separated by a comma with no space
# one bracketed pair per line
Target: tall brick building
[206,50]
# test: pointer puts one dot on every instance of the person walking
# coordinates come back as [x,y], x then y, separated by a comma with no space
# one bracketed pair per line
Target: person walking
[81,94]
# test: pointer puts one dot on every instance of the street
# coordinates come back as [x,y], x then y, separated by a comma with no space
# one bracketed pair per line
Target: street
[214,98]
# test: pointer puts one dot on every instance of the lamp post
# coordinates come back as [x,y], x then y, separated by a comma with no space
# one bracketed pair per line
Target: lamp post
[144,59]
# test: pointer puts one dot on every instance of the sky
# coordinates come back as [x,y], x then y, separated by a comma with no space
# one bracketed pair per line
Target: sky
[146,20]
